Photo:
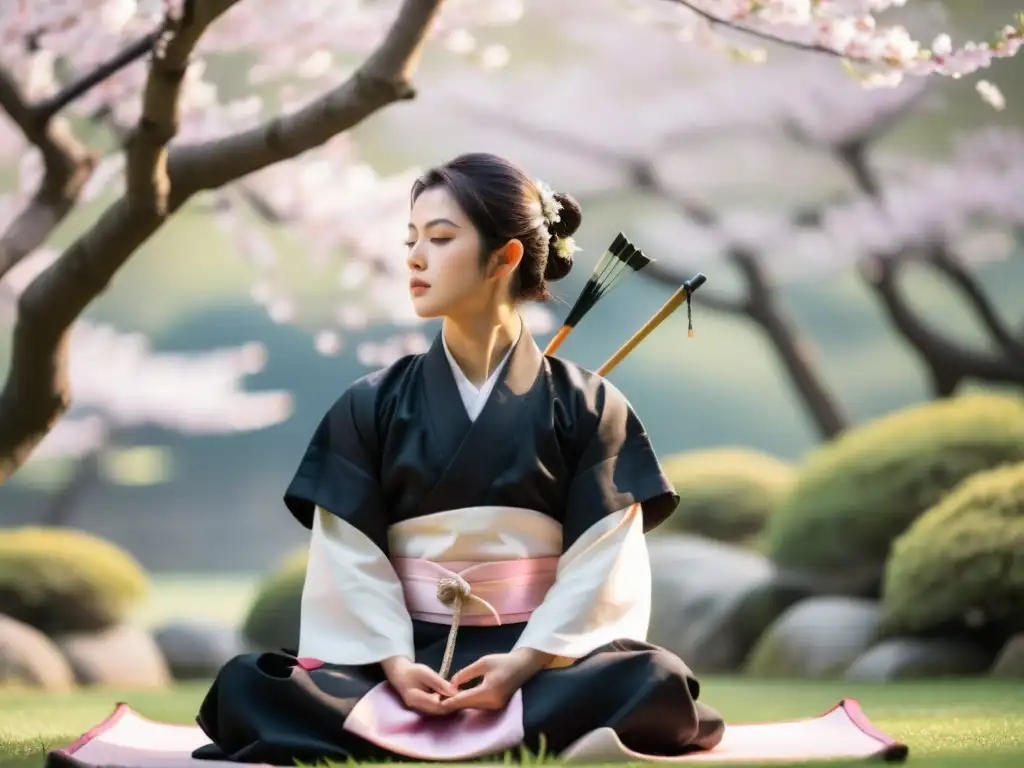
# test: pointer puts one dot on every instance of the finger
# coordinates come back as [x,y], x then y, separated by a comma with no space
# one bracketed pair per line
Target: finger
[481,697]
[421,701]
[477,669]
[429,679]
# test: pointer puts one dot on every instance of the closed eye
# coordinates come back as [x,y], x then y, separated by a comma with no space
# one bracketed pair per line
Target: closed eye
[434,240]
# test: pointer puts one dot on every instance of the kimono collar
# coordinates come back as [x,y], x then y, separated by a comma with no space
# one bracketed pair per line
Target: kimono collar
[460,376]
[516,375]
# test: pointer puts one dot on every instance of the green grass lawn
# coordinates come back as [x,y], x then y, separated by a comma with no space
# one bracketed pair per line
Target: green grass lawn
[967,723]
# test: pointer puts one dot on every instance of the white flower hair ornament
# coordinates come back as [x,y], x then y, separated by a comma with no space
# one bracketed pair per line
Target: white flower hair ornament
[550,211]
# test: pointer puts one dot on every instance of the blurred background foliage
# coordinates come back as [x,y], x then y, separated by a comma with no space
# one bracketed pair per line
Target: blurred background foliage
[184,503]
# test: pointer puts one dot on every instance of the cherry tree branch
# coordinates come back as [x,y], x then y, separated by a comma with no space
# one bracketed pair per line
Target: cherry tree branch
[158,182]
[82,85]
[260,206]
[67,165]
[719,21]
[384,78]
[945,262]
[949,363]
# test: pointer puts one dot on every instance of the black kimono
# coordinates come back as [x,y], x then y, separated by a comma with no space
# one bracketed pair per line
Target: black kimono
[537,504]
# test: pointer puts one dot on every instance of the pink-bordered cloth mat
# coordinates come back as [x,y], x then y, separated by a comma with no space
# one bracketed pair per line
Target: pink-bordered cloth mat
[128,740]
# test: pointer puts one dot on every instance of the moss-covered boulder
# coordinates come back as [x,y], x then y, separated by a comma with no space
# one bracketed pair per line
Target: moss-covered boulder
[726,493]
[61,581]
[960,567]
[273,619]
[854,496]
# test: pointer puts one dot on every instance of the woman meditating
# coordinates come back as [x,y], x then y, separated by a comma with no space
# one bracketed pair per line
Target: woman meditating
[478,578]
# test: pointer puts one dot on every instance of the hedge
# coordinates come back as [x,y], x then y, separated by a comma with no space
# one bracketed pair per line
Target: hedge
[272,622]
[854,496]
[726,494]
[960,566]
[60,580]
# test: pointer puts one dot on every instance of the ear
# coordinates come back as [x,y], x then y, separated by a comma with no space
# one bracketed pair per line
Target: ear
[505,260]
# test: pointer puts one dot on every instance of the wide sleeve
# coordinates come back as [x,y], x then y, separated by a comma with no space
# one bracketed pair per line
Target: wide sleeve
[353,608]
[602,591]
[616,468]
[339,470]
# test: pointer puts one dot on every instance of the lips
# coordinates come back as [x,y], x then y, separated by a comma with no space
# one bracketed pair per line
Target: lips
[418,284]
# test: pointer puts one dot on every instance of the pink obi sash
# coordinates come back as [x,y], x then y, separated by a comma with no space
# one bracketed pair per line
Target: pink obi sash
[504,591]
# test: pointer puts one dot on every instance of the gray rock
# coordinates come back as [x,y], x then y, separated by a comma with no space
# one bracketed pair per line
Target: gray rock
[711,601]
[123,657]
[905,658]
[1009,663]
[197,650]
[817,638]
[29,658]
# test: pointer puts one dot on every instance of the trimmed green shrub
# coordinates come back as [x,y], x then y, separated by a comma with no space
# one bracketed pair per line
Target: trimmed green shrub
[59,580]
[726,493]
[854,496]
[960,566]
[273,619]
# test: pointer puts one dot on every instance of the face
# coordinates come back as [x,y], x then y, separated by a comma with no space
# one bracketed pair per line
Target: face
[445,275]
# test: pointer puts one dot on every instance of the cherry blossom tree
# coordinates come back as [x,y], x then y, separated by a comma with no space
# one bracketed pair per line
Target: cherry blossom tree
[140,67]
[889,212]
[118,383]
[168,99]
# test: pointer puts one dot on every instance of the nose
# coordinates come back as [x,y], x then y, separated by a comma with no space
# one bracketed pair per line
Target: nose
[416,260]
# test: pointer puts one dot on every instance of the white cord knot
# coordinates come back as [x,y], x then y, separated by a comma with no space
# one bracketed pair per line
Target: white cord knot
[452,589]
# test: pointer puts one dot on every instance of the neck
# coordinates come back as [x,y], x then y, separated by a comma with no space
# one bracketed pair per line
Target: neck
[480,342]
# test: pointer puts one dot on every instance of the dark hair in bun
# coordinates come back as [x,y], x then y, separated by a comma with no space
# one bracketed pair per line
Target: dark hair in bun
[570,218]
[501,201]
